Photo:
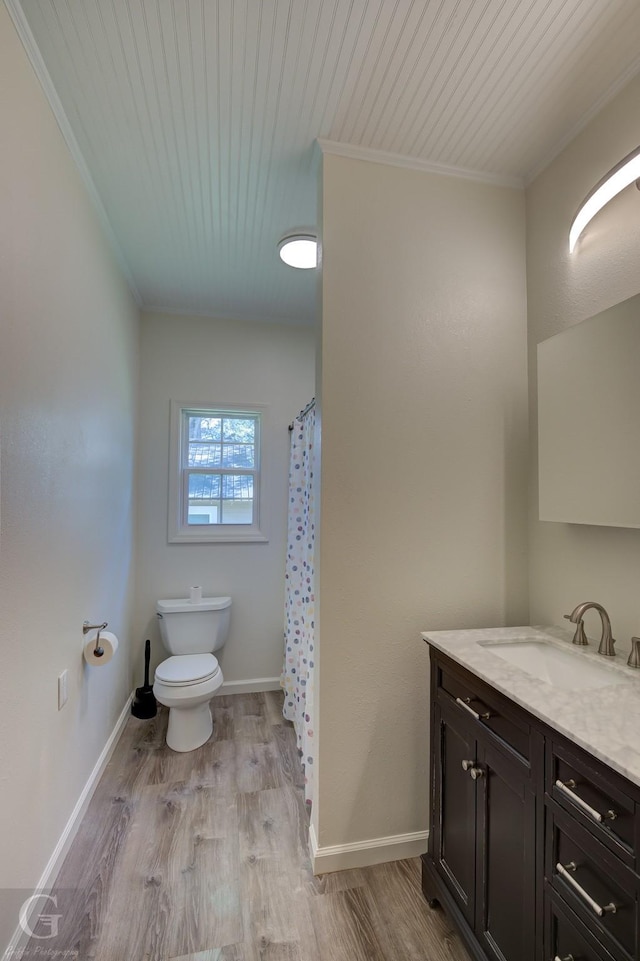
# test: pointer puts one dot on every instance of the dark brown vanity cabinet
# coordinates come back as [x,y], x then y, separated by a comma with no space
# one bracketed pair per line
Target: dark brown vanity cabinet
[532,842]
[482,838]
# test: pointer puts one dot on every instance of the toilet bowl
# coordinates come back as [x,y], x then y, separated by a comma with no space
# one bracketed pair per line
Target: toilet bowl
[186,681]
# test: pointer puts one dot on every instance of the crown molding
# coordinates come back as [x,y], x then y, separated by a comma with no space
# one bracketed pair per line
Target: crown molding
[23,30]
[625,77]
[372,155]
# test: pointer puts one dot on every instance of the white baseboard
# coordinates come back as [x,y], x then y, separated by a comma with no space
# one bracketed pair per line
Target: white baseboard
[361,854]
[251,686]
[15,948]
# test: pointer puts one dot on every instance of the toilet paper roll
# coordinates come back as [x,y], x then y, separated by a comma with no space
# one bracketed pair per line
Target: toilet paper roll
[109,645]
[195,595]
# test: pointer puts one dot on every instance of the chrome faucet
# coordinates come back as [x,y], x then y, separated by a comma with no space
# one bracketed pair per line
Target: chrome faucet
[606,641]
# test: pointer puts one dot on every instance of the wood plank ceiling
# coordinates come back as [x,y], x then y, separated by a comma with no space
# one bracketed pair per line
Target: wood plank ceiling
[197,119]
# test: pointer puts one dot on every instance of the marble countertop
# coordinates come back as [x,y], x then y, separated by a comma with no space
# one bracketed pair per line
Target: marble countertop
[604,721]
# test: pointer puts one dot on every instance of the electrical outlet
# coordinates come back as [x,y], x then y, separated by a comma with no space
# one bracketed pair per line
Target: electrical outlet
[63,689]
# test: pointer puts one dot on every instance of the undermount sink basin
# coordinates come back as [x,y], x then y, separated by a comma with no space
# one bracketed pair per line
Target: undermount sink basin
[566,669]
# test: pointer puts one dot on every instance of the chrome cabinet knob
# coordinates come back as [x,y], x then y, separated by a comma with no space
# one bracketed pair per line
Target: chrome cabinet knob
[472,769]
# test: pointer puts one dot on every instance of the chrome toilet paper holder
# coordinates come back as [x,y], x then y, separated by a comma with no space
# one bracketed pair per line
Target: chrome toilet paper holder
[86,627]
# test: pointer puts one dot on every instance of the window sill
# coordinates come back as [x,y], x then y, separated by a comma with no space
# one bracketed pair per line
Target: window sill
[219,537]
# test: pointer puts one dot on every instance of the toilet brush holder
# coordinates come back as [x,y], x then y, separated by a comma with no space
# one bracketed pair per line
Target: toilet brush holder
[144,704]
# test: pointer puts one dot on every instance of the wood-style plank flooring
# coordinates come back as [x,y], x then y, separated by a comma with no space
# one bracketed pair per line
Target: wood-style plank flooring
[203,857]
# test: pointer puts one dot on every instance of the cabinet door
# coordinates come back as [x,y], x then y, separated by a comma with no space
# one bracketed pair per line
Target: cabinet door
[453,834]
[505,881]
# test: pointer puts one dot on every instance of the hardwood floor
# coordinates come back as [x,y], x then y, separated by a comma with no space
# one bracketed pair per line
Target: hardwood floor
[203,857]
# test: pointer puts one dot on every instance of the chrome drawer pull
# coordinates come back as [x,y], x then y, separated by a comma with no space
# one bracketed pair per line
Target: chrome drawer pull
[565,787]
[564,870]
[569,957]
[466,705]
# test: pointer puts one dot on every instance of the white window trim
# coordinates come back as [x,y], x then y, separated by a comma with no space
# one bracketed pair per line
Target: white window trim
[181,533]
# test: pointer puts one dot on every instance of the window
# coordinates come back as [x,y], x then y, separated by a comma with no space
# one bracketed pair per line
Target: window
[216,473]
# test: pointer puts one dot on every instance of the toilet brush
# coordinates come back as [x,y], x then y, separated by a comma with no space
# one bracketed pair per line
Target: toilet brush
[144,703]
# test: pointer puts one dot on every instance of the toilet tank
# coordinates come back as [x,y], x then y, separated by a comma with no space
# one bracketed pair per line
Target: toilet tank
[194,628]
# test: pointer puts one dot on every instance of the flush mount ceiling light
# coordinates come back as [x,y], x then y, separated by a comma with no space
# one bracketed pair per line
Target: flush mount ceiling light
[619,177]
[299,250]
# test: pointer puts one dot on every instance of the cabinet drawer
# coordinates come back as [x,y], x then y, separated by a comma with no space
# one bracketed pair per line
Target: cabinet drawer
[492,710]
[566,937]
[595,796]
[600,889]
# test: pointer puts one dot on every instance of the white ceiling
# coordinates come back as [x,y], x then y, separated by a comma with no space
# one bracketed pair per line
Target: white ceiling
[194,121]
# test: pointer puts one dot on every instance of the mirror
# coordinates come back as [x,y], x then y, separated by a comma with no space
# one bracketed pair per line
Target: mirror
[589,420]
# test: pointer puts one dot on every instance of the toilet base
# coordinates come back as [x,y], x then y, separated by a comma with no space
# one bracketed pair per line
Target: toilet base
[189,728]
[190,723]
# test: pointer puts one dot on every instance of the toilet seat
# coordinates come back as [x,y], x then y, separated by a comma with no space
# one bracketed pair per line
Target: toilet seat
[183,670]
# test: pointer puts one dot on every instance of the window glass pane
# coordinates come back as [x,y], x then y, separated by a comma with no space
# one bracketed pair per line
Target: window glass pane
[237,486]
[204,486]
[205,428]
[204,499]
[237,499]
[205,455]
[237,512]
[204,514]
[242,430]
[238,455]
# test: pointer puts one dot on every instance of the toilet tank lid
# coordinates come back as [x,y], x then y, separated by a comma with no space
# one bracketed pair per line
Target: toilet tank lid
[179,605]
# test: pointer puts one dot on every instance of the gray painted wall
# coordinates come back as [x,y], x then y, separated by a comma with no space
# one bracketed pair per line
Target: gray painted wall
[191,359]
[570,563]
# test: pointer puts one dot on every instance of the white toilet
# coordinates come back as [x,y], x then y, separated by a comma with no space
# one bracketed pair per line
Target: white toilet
[186,681]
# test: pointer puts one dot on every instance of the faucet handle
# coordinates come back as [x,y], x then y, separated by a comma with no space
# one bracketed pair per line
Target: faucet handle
[579,637]
[634,657]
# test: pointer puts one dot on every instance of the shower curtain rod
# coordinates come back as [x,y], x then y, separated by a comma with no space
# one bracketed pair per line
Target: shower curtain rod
[304,411]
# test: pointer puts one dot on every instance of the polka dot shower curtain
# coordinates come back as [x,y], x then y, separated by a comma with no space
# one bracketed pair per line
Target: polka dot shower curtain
[297,673]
